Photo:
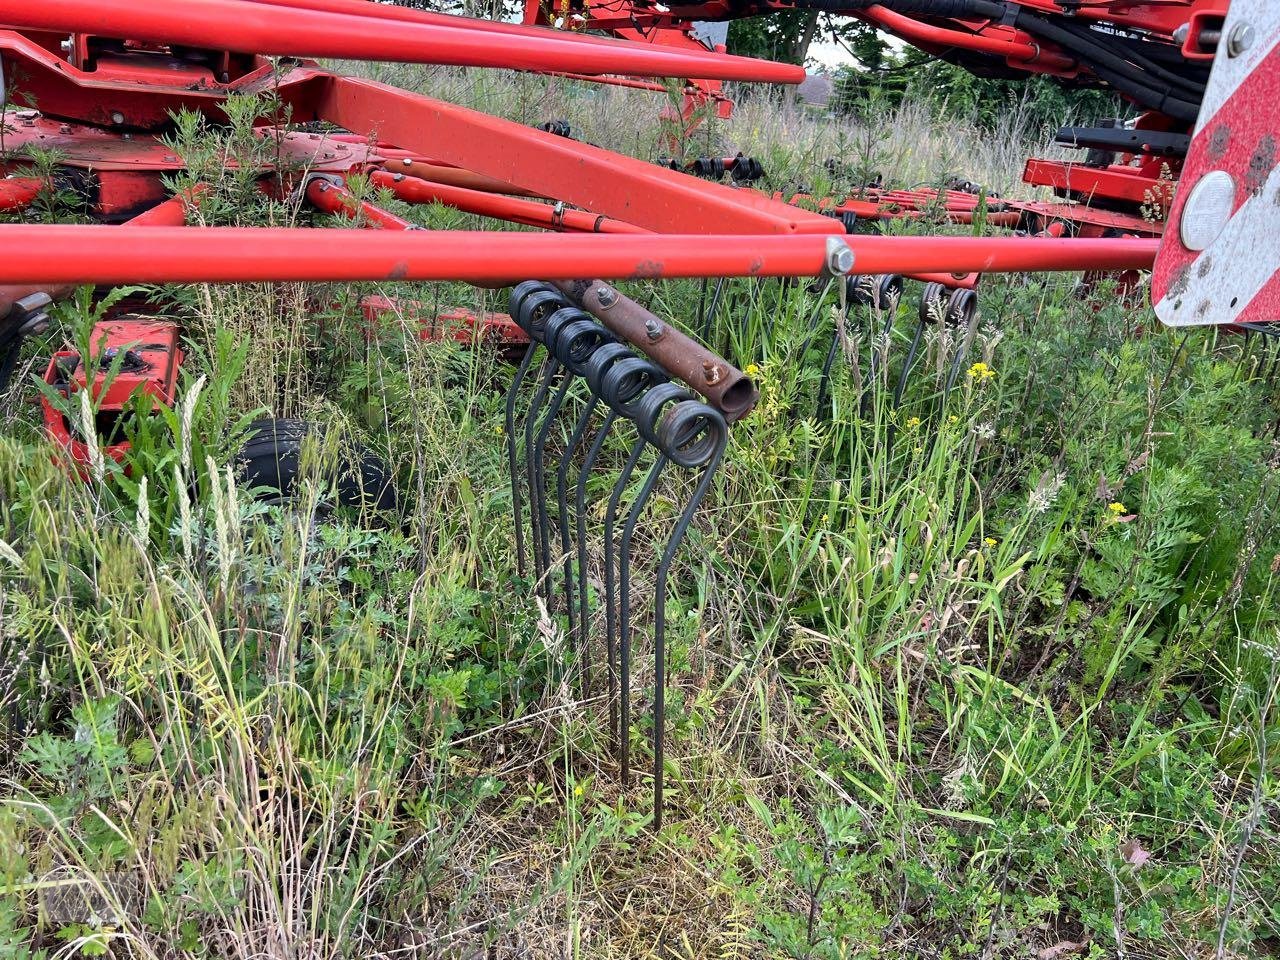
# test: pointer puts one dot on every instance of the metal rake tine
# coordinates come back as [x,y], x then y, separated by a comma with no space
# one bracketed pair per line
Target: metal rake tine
[611,622]
[710,316]
[624,606]
[968,303]
[549,367]
[580,503]
[660,626]
[540,494]
[908,362]
[522,560]
[825,381]
[578,641]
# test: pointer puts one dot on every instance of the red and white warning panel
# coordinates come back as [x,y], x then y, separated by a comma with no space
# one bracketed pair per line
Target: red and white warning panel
[1220,261]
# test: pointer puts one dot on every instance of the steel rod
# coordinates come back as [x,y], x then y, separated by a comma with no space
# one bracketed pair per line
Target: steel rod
[96,254]
[263,29]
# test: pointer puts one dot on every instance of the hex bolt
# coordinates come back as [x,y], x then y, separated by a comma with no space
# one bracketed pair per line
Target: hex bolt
[839,257]
[653,328]
[1240,39]
[711,372]
[407,162]
[606,296]
[117,117]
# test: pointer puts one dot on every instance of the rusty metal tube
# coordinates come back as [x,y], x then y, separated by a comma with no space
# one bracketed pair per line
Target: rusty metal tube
[726,387]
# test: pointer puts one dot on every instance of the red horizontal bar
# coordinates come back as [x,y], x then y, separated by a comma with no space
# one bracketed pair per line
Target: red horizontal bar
[96,254]
[263,28]
[998,254]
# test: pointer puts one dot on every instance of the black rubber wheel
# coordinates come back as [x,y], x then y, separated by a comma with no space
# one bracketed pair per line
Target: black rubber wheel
[271,464]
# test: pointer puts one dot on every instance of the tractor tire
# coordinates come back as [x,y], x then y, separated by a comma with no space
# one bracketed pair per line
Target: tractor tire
[271,463]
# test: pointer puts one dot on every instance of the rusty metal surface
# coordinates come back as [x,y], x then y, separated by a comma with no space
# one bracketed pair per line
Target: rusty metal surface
[728,389]
[91,147]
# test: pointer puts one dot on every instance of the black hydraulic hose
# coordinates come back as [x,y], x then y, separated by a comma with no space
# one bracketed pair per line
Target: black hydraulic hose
[1107,65]
[1130,52]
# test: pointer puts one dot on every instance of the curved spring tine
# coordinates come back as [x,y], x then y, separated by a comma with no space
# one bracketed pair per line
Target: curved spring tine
[539,494]
[611,622]
[908,363]
[578,638]
[550,366]
[624,606]
[659,626]
[702,302]
[962,352]
[710,316]
[825,382]
[522,560]
[584,613]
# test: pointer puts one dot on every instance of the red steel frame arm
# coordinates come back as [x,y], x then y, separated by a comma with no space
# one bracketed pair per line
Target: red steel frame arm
[106,255]
[244,26]
[620,187]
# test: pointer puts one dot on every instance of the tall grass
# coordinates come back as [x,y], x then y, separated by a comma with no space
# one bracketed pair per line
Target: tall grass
[987,672]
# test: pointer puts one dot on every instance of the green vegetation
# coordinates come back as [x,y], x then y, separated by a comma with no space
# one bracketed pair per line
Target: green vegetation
[990,674]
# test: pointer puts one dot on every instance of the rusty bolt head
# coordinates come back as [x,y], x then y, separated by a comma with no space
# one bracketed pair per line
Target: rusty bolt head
[711,372]
[653,329]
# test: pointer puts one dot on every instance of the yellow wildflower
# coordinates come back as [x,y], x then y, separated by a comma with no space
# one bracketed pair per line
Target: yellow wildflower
[991,541]
[499,430]
[752,370]
[913,422]
[980,371]
[1117,508]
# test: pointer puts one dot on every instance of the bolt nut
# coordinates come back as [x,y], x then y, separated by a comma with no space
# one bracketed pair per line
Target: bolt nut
[1240,39]
[117,118]
[653,329]
[839,257]
[606,296]
[407,162]
[711,372]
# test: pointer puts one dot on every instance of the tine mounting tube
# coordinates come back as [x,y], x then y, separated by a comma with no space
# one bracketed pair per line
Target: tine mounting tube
[727,387]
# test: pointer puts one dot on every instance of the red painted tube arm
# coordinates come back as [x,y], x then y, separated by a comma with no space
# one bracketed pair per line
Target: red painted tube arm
[329,196]
[94,254]
[914,31]
[511,209]
[262,28]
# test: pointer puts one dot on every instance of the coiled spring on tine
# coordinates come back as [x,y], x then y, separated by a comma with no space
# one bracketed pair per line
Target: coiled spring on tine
[671,428]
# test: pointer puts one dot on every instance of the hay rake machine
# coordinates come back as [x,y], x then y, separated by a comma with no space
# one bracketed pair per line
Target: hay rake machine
[1157,55]
[99,82]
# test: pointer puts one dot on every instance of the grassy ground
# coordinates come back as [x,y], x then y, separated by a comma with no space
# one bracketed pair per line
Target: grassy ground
[991,674]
